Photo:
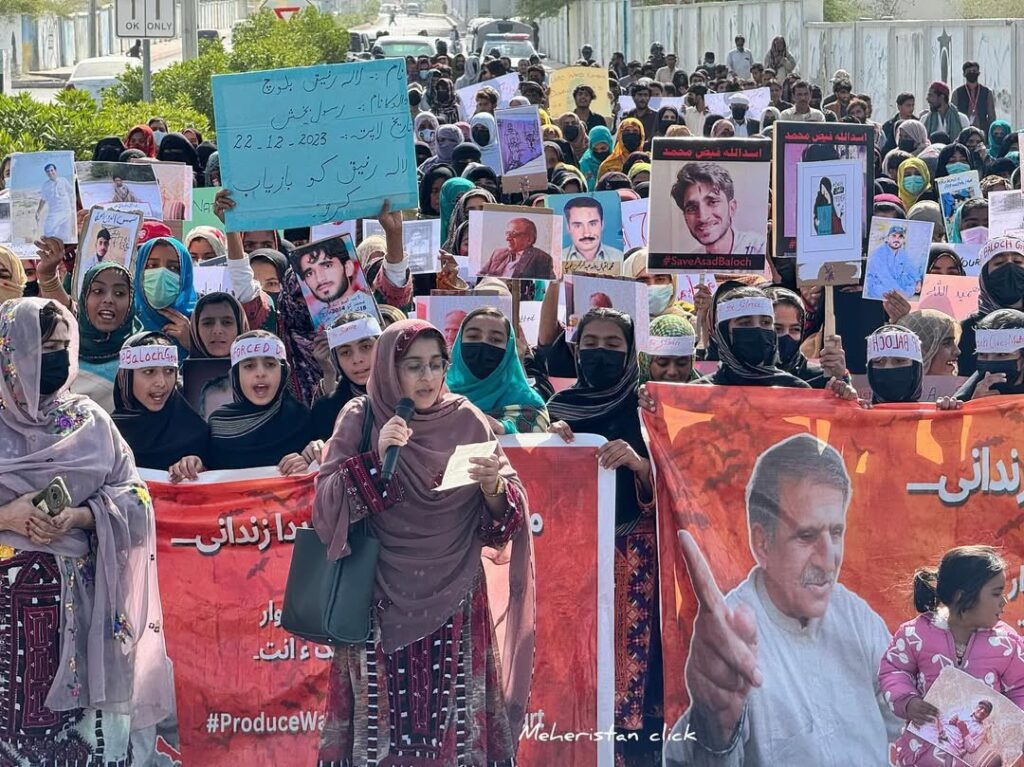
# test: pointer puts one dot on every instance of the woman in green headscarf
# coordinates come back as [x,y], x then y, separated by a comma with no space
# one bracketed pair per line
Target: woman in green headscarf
[668,354]
[451,192]
[485,369]
[106,319]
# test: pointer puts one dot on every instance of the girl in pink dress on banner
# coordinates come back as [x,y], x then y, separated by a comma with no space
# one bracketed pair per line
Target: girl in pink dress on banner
[959,625]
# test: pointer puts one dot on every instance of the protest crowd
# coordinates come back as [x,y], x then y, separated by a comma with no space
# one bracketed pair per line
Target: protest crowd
[573,274]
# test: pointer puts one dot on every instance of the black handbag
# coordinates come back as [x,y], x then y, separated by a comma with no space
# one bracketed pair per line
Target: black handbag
[329,602]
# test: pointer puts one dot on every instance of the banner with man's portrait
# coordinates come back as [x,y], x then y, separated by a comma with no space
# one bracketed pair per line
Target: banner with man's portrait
[806,521]
[709,205]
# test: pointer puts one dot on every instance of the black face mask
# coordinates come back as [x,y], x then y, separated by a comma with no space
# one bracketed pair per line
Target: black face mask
[571,132]
[31,289]
[789,347]
[1007,367]
[631,141]
[602,367]
[53,371]
[602,156]
[786,267]
[481,359]
[893,384]
[1006,284]
[414,98]
[907,144]
[755,346]
[481,135]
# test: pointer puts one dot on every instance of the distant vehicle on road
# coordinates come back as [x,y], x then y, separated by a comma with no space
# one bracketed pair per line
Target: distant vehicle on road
[515,46]
[399,47]
[93,75]
[412,9]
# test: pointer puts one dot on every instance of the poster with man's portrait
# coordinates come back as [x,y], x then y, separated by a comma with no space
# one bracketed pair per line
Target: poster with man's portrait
[123,184]
[794,143]
[109,235]
[175,180]
[954,190]
[897,257]
[43,202]
[591,232]
[709,205]
[976,724]
[332,280]
[829,222]
[515,243]
[584,292]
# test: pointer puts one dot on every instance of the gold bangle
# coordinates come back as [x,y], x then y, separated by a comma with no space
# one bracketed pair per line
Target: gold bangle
[51,285]
[499,488]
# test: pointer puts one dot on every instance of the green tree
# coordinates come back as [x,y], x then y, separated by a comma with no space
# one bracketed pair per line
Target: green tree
[843,10]
[992,9]
[540,9]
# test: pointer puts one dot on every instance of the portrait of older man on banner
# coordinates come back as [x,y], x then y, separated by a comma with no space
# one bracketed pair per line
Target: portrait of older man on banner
[783,669]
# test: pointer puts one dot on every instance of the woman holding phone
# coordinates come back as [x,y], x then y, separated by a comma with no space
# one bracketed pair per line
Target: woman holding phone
[87,568]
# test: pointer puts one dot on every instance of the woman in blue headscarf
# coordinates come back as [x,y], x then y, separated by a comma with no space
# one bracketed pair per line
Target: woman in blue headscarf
[165,294]
[485,369]
[997,133]
[601,143]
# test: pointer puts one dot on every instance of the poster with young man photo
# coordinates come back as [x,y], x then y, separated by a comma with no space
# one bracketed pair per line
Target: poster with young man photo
[109,235]
[709,205]
[120,183]
[332,280]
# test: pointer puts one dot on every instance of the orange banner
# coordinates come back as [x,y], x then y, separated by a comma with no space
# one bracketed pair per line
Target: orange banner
[248,692]
[920,482]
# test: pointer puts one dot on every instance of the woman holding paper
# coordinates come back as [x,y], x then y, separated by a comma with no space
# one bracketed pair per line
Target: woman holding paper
[1002,287]
[435,640]
[999,340]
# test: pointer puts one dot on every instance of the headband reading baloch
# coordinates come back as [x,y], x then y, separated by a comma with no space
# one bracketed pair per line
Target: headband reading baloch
[152,356]
[999,341]
[669,346]
[364,327]
[905,346]
[748,306]
[247,348]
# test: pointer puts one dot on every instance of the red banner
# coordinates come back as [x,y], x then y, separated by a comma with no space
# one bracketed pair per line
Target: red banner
[921,482]
[250,693]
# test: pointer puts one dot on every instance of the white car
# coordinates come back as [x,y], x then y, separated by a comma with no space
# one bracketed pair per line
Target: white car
[93,75]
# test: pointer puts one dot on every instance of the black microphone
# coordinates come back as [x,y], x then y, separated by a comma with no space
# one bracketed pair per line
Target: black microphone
[403,411]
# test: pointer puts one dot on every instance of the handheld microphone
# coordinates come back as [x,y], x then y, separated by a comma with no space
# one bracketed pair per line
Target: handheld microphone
[403,411]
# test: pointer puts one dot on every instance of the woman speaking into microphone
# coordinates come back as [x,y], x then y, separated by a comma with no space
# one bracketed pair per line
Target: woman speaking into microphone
[433,650]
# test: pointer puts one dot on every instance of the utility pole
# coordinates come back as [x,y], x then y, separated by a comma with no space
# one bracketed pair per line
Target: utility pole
[189,29]
[147,72]
[93,42]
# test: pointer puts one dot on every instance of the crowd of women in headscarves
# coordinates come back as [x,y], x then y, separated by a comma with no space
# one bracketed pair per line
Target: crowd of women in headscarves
[91,383]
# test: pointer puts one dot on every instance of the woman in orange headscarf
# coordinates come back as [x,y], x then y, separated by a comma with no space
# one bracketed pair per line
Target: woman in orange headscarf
[629,139]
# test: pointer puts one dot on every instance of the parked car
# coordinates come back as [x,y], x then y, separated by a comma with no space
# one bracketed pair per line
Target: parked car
[412,9]
[400,47]
[515,46]
[93,75]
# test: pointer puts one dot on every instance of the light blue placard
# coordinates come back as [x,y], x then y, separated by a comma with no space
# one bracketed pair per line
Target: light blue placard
[310,145]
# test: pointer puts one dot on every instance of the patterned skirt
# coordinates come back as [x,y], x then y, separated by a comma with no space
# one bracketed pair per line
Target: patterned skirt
[30,733]
[638,680]
[436,703]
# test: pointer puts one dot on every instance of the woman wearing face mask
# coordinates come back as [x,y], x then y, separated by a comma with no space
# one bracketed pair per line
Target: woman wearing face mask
[629,139]
[444,104]
[667,117]
[895,367]
[474,199]
[942,259]
[970,222]
[939,335]
[573,132]
[106,318]
[269,267]
[425,129]
[999,358]
[1002,287]
[913,180]
[483,131]
[669,353]
[467,153]
[600,141]
[744,333]
[430,190]
[435,589]
[12,275]
[604,401]
[265,425]
[350,343]
[216,322]
[486,369]
[790,324]
[954,158]
[163,269]
[102,670]
[150,411]
[483,177]
[912,137]
[448,137]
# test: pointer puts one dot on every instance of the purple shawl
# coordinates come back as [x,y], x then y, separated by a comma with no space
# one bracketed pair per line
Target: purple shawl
[112,654]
